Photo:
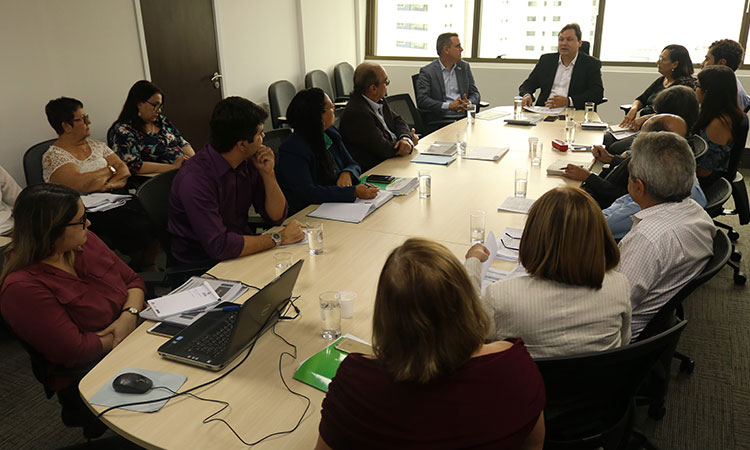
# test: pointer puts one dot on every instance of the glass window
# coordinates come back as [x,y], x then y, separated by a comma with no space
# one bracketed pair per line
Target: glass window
[513,41]
[631,35]
[411,29]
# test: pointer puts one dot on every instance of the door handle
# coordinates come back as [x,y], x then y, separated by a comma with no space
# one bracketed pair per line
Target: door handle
[216,80]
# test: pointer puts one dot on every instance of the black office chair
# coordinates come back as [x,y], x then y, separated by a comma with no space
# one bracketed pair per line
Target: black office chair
[698,145]
[403,105]
[428,126]
[280,94]
[32,162]
[319,79]
[717,194]
[343,79]
[590,397]
[274,139]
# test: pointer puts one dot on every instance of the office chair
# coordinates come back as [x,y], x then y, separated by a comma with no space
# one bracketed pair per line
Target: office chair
[343,79]
[280,94]
[403,105]
[32,162]
[698,145]
[590,397]
[319,79]
[428,126]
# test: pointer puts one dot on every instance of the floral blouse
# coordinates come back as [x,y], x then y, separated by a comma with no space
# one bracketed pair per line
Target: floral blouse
[717,156]
[134,146]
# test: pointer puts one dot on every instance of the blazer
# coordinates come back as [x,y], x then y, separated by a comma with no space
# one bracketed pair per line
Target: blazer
[431,88]
[296,172]
[585,83]
[364,134]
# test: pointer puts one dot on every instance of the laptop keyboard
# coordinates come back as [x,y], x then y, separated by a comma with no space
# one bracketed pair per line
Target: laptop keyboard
[213,344]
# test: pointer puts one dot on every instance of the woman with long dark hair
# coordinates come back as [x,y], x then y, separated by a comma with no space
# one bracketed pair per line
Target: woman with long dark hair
[143,137]
[314,165]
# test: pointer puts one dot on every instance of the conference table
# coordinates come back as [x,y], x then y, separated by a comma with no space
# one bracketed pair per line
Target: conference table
[353,258]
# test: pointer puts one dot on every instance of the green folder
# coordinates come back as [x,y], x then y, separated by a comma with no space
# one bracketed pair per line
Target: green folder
[319,369]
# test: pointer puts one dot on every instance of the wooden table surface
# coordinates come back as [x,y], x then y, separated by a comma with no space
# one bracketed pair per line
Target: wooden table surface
[354,255]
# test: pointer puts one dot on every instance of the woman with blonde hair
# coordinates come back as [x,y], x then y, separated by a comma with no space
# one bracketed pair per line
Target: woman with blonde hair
[433,382]
[571,300]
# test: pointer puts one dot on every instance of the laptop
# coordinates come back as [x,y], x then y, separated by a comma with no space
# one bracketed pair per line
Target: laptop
[214,340]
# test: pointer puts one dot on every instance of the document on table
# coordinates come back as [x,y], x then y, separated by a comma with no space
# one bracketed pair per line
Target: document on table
[433,159]
[495,113]
[544,110]
[351,212]
[621,132]
[198,297]
[440,148]
[508,244]
[103,201]
[557,167]
[517,205]
[487,153]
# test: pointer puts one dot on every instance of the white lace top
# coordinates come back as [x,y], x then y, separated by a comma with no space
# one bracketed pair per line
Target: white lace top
[56,157]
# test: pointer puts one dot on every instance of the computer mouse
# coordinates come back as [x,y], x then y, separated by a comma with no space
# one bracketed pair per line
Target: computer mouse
[132,383]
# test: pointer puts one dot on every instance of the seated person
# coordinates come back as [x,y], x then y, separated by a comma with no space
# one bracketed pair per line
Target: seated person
[676,68]
[571,299]
[144,138]
[212,193]
[370,130]
[9,191]
[719,120]
[314,165]
[64,293]
[448,388]
[619,214]
[89,166]
[446,86]
[679,101]
[672,236]
[726,52]
[566,78]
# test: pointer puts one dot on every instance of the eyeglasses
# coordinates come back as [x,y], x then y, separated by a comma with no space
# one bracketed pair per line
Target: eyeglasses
[513,238]
[157,106]
[82,223]
[387,82]
[84,118]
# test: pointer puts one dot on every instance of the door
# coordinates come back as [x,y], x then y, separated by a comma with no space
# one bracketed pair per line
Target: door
[181,45]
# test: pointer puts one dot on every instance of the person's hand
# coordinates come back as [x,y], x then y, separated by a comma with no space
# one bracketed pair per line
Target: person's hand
[478,251]
[459,104]
[627,121]
[264,160]
[577,173]
[292,233]
[402,147]
[179,161]
[601,154]
[638,123]
[414,137]
[556,101]
[120,328]
[526,101]
[366,191]
[345,179]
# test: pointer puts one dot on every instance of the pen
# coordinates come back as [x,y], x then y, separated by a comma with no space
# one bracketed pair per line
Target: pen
[370,185]
[224,309]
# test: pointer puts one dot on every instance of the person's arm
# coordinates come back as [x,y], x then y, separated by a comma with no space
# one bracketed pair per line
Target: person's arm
[120,178]
[274,205]
[530,85]
[639,261]
[625,331]
[366,136]
[424,101]
[296,173]
[535,440]
[619,214]
[630,116]
[594,90]
[289,235]
[126,145]
[85,183]
[187,149]
[9,188]
[154,167]
[125,323]
[348,164]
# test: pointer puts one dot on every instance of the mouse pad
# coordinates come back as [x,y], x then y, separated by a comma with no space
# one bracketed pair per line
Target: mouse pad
[107,396]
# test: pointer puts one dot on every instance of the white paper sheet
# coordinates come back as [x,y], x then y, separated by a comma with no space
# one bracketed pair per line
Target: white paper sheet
[195,298]
[517,205]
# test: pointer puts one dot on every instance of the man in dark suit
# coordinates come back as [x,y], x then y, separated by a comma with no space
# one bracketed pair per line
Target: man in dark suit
[371,131]
[446,86]
[566,78]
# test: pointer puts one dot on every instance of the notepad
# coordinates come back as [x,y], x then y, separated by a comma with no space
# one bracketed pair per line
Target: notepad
[557,168]
[198,297]
[517,205]
[433,159]
[351,212]
[440,148]
[487,153]
[524,120]
[403,186]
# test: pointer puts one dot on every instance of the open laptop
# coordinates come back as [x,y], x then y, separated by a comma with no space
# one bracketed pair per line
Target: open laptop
[214,340]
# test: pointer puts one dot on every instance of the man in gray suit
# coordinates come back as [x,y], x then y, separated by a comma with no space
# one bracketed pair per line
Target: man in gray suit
[446,86]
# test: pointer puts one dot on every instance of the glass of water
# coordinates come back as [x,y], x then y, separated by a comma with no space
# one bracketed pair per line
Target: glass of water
[330,312]
[570,113]
[477,221]
[281,262]
[522,176]
[536,154]
[314,232]
[471,113]
[517,106]
[461,142]
[570,131]
[589,112]
[425,184]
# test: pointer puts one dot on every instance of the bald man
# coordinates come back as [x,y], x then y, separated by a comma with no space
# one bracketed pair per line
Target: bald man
[371,131]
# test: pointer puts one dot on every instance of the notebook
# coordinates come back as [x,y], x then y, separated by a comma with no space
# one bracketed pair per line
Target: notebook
[524,120]
[214,340]
[433,159]
[440,148]
[558,167]
[351,212]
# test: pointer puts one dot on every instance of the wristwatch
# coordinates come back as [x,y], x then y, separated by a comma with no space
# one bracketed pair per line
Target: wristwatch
[131,310]
[276,239]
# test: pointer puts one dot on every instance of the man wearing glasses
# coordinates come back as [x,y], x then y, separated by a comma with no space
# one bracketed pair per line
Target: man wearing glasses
[371,131]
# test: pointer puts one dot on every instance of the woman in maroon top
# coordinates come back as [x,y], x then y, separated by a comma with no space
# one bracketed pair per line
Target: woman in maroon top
[63,291]
[433,382]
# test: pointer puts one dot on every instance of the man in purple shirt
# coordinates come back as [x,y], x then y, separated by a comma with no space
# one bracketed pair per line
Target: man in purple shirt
[213,190]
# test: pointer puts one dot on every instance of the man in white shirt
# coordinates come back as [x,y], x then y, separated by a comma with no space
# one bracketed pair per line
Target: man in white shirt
[565,78]
[9,191]
[727,52]
[672,236]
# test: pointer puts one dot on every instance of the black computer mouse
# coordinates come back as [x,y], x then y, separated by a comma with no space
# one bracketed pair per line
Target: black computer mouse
[132,383]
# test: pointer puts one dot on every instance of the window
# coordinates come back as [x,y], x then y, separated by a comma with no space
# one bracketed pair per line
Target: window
[532,3]
[531,33]
[555,18]
[531,19]
[530,48]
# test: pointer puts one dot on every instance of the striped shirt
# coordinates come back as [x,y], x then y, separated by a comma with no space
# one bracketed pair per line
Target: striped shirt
[668,246]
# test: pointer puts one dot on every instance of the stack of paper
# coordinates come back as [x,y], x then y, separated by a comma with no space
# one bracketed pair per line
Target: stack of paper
[440,148]
[621,132]
[524,120]
[102,201]
[351,212]
[433,159]
[487,153]
[196,298]
[494,113]
[602,126]
[544,110]
[508,244]
[558,167]
[517,205]
[403,186]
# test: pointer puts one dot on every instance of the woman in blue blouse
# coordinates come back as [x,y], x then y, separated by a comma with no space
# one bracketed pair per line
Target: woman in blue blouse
[314,165]
[143,137]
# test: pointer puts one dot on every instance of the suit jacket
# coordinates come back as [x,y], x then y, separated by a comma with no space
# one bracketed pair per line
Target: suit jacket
[364,134]
[585,82]
[431,88]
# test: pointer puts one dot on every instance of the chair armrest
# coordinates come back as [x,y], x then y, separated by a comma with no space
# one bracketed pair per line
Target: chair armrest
[626,107]
[484,104]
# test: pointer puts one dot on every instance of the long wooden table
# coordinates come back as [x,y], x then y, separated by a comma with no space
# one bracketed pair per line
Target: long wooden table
[354,255]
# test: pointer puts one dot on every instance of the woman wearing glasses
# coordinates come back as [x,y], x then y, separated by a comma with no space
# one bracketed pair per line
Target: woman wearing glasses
[64,292]
[89,166]
[143,137]
[570,299]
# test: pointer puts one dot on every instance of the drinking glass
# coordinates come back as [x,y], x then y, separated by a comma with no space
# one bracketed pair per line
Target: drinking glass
[461,142]
[314,232]
[570,131]
[346,299]
[517,106]
[425,184]
[281,262]
[330,312]
[522,176]
[477,221]
[536,153]
[589,110]
[471,113]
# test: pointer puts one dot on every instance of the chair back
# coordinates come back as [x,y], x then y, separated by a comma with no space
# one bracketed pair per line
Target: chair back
[414,80]
[717,193]
[319,79]
[280,94]
[699,145]
[154,197]
[32,162]
[668,313]
[343,78]
[274,139]
[586,47]
[588,394]
[739,137]
[403,105]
